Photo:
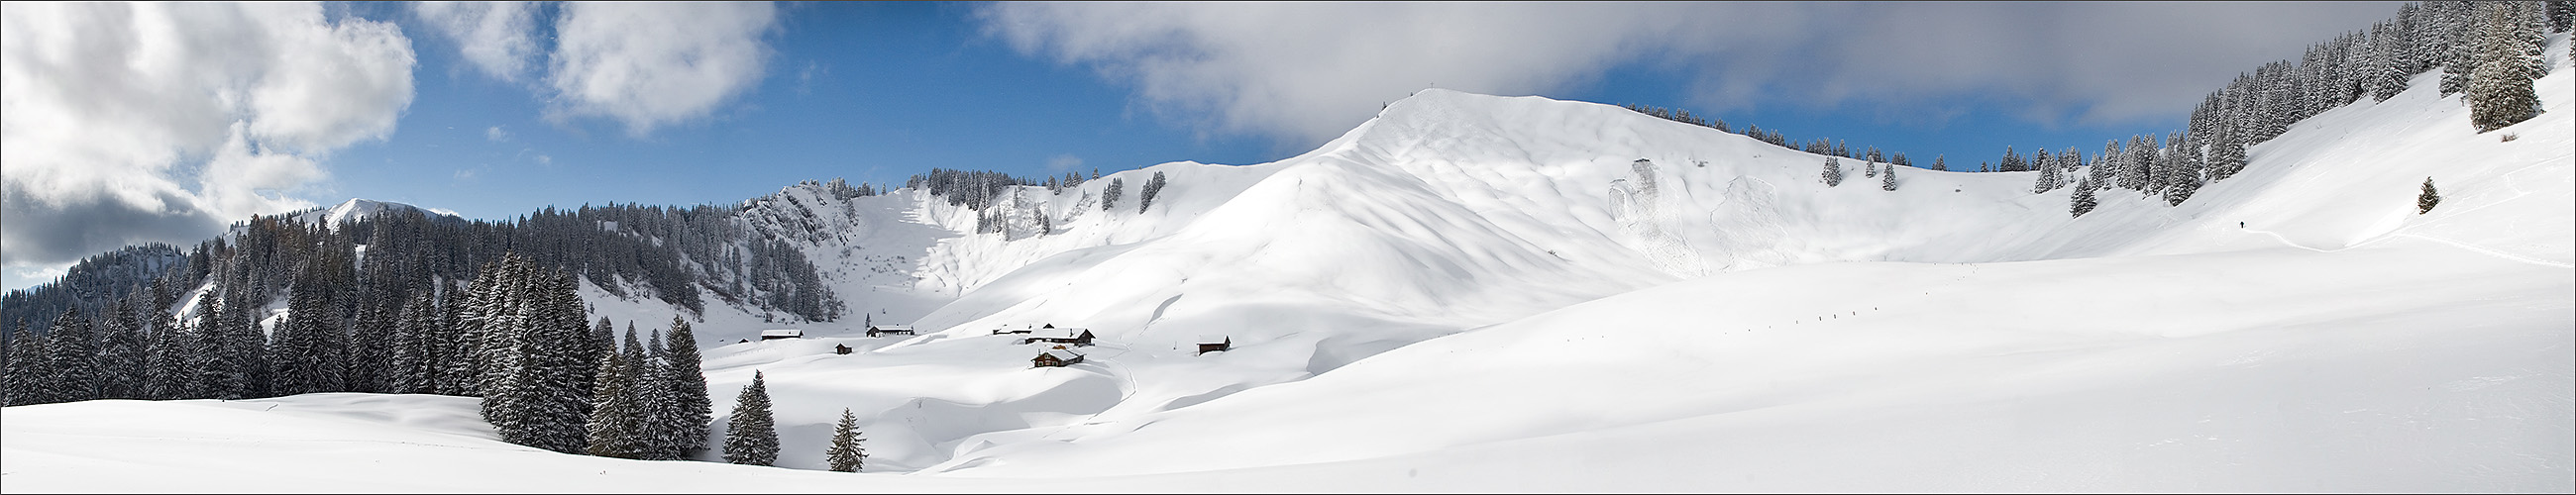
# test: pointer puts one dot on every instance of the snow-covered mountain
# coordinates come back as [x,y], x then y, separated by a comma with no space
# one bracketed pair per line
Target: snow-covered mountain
[1517,293]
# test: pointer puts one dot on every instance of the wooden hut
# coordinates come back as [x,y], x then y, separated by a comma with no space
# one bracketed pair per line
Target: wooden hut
[1213,343]
[841,349]
[1054,358]
[781,333]
[880,330]
[1069,335]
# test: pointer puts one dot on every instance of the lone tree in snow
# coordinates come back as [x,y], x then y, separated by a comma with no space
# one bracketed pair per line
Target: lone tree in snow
[2424,202]
[845,454]
[1887,180]
[751,437]
[2082,202]
[1833,172]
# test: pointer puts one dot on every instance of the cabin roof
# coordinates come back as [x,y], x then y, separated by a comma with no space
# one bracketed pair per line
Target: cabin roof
[1061,354]
[892,327]
[782,332]
[1059,333]
[1215,339]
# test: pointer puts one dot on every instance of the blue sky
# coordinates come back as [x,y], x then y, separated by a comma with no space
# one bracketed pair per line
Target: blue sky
[165,121]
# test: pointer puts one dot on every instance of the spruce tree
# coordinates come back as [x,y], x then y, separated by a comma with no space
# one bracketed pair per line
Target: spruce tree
[75,359]
[2082,202]
[120,354]
[751,436]
[2424,202]
[688,381]
[1109,196]
[845,454]
[1939,163]
[616,424]
[2500,89]
[1887,181]
[29,368]
[165,364]
[1153,187]
[660,404]
[1833,172]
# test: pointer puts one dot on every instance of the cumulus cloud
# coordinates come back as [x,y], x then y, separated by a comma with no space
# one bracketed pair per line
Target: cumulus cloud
[1307,72]
[140,122]
[499,38]
[653,64]
[495,134]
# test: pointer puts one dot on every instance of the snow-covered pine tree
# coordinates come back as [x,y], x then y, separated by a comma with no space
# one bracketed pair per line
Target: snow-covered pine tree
[689,388]
[2082,201]
[1887,181]
[410,368]
[120,353]
[2462,59]
[1153,187]
[28,368]
[2039,161]
[2184,171]
[452,347]
[1869,169]
[660,404]
[2011,162]
[1109,195]
[75,359]
[2500,90]
[2226,154]
[2139,169]
[616,426]
[165,364]
[2106,165]
[2424,202]
[1833,172]
[1939,163]
[845,455]
[751,435]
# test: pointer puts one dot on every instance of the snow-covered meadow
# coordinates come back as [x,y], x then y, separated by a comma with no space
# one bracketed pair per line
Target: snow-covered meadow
[1477,293]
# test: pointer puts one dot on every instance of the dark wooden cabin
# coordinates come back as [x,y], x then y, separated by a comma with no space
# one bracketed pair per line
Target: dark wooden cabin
[1054,358]
[1213,343]
[881,330]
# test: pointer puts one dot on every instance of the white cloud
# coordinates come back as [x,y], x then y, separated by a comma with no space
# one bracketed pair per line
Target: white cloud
[111,107]
[1063,163]
[652,64]
[497,37]
[1305,72]
[495,134]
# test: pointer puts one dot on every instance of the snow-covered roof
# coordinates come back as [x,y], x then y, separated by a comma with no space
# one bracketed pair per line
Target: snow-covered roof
[892,327]
[1214,339]
[1058,333]
[1061,354]
[782,332]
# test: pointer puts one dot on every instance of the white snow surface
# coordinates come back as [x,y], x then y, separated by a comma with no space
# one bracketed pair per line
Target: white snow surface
[1479,293]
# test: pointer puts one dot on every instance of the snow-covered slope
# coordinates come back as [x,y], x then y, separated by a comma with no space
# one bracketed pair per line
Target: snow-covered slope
[1475,292]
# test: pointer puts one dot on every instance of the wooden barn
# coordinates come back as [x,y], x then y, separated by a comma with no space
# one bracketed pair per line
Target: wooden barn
[1054,358]
[1069,335]
[841,349]
[781,333]
[881,330]
[1213,343]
